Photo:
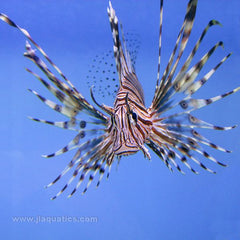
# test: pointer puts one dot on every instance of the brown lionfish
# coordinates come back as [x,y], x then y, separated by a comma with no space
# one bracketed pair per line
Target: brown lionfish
[129,126]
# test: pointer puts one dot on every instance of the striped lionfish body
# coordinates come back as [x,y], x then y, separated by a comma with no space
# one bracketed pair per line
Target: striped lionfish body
[129,126]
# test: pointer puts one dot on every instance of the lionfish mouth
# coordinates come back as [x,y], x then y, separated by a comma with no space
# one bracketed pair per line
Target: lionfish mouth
[172,137]
[125,150]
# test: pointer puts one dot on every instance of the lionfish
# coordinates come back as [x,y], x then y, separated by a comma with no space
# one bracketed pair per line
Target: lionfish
[129,126]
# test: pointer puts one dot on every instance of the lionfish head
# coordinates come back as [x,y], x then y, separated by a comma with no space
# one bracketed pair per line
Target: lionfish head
[131,126]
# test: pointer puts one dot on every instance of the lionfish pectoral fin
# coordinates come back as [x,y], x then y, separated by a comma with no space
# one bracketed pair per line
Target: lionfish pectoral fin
[66,87]
[184,34]
[90,154]
[171,137]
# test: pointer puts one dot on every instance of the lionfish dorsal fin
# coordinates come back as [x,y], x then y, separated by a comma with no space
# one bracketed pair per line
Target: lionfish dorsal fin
[125,68]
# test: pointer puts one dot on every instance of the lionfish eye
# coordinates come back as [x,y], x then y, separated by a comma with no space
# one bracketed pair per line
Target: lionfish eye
[134,116]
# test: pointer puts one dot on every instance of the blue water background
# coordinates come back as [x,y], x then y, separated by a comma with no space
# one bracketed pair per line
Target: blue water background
[142,199]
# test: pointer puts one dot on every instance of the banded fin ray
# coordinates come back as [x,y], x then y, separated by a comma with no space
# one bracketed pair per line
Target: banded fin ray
[184,33]
[125,69]
[175,133]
